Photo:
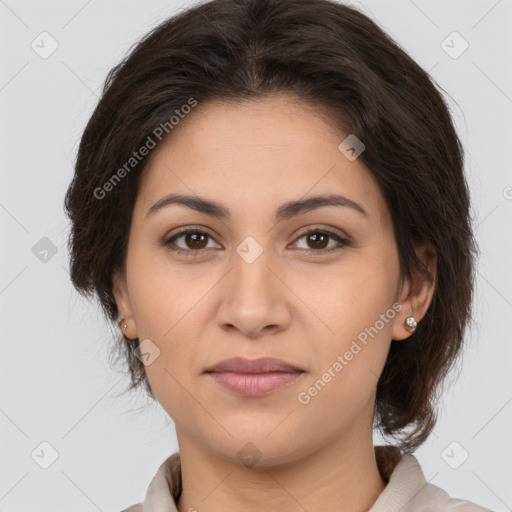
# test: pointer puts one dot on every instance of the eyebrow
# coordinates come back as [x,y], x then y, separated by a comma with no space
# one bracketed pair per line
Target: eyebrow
[284,212]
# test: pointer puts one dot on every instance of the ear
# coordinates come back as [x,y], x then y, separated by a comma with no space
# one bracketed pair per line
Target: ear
[417,291]
[122,298]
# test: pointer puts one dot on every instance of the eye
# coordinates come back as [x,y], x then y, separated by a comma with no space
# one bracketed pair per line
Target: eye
[319,240]
[194,239]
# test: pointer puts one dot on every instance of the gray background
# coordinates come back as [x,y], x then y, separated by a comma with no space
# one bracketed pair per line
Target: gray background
[56,382]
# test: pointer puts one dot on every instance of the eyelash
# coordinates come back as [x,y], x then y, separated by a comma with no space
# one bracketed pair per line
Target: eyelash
[194,253]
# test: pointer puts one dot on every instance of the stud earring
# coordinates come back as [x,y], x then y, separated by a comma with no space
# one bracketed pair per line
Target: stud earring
[125,326]
[410,321]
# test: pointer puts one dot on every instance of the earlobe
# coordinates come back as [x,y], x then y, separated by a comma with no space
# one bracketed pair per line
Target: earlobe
[120,292]
[417,294]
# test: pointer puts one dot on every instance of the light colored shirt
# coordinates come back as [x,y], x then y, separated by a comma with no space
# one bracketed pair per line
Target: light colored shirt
[406,489]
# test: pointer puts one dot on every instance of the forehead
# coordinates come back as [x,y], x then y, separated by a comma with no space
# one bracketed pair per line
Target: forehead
[255,154]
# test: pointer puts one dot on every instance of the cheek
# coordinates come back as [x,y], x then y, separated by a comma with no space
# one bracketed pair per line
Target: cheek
[359,312]
[351,297]
[347,368]
[169,308]
[159,293]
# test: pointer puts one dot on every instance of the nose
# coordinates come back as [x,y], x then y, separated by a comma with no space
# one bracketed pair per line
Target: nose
[254,298]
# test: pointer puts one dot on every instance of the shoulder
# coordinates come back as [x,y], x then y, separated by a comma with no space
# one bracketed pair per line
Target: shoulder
[164,489]
[134,508]
[433,498]
[464,506]
[408,491]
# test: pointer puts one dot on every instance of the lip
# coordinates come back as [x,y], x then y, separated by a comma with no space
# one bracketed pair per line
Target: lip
[254,377]
[254,384]
[261,365]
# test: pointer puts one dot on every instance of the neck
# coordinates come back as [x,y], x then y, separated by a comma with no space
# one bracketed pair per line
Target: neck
[340,476]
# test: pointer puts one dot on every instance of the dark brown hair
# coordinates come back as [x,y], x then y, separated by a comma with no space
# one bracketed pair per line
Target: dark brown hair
[335,58]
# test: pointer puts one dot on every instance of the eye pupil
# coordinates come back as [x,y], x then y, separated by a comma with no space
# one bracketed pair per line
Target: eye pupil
[324,237]
[194,237]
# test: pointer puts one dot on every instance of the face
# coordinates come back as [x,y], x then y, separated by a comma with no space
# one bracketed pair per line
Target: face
[316,287]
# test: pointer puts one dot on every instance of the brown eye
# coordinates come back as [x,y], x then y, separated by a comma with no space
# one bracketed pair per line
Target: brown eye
[194,241]
[318,241]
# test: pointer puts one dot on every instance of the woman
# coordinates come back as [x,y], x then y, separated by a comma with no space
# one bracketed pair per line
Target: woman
[270,197]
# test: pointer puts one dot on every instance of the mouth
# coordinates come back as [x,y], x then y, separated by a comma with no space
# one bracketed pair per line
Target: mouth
[254,377]
[254,384]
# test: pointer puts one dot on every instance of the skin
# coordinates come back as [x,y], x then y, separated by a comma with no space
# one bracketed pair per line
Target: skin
[252,157]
